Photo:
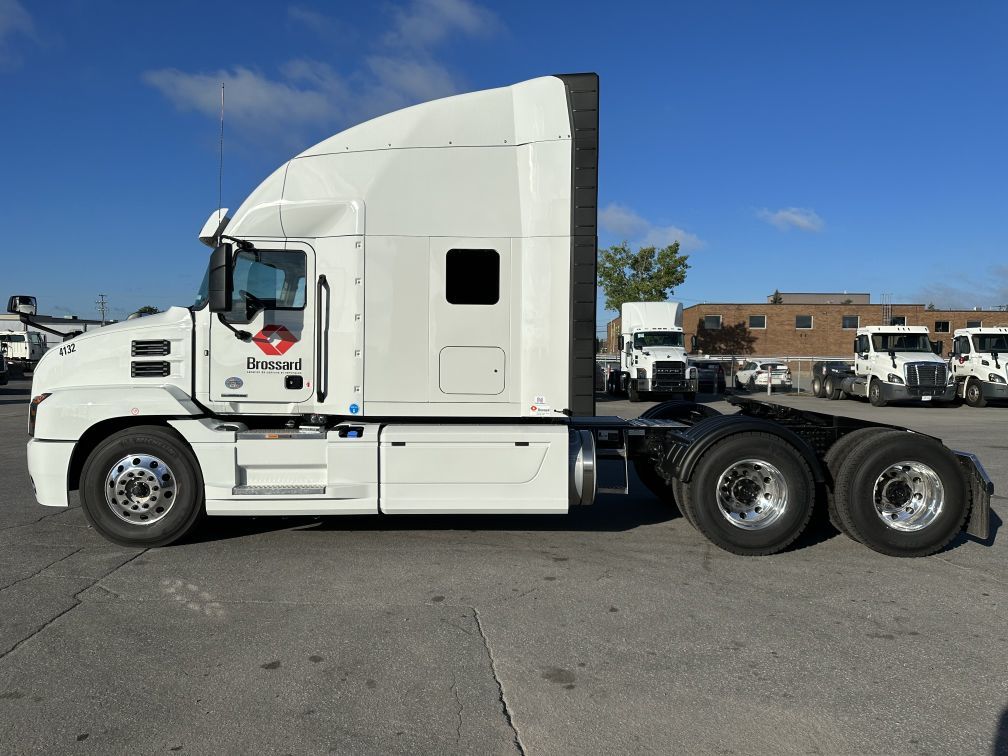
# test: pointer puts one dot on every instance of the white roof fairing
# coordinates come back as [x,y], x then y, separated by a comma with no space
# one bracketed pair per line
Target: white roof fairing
[494,163]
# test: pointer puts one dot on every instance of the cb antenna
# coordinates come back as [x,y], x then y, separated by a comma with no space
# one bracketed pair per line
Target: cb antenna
[220,162]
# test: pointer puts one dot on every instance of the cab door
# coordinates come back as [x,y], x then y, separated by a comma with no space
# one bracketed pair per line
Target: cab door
[273,302]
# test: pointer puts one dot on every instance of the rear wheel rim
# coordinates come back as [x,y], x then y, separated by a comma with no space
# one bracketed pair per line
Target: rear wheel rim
[908,496]
[752,494]
[140,489]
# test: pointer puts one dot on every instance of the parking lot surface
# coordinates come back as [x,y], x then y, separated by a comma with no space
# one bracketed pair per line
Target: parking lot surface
[614,629]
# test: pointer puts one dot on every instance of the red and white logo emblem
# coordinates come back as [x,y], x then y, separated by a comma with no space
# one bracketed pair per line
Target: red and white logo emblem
[274,339]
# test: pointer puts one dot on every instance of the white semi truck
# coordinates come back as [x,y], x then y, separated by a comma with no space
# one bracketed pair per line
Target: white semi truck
[978,365]
[893,363]
[653,352]
[401,320]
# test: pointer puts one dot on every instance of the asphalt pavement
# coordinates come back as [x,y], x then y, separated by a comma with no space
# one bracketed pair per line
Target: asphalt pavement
[614,629]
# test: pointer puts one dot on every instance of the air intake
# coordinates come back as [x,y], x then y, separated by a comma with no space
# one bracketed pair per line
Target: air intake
[160,369]
[151,348]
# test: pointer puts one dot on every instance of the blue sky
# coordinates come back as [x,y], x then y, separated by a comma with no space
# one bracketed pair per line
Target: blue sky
[854,146]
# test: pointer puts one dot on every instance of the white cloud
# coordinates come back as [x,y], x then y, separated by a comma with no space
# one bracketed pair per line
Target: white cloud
[400,70]
[15,22]
[425,23]
[620,220]
[801,218]
[966,292]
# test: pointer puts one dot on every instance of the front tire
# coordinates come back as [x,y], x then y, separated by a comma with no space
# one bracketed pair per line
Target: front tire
[902,494]
[142,487]
[974,394]
[751,494]
[875,393]
[751,385]
[632,393]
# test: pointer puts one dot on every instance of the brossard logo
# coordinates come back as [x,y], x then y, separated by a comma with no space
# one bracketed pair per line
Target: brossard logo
[274,340]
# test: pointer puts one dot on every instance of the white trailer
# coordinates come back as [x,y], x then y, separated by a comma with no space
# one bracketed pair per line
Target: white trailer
[653,352]
[978,365]
[401,319]
[892,364]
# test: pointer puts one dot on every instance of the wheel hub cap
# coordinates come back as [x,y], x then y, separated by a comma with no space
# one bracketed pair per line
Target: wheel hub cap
[752,494]
[908,496]
[140,489]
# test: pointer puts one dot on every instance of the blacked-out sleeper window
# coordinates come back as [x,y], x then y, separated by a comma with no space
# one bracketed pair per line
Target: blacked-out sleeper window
[472,276]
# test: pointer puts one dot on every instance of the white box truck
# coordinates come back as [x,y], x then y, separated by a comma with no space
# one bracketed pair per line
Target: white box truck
[653,352]
[893,364]
[401,319]
[977,363]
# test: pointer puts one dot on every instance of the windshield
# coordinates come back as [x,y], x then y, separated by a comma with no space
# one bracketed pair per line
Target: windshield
[647,339]
[204,290]
[991,342]
[901,342]
[12,338]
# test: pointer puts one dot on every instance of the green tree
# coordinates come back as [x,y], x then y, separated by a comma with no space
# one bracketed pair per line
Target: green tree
[148,310]
[648,275]
[776,297]
[734,339]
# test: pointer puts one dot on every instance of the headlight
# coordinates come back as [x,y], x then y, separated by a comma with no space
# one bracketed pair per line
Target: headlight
[642,372]
[893,378]
[691,373]
[995,378]
[33,411]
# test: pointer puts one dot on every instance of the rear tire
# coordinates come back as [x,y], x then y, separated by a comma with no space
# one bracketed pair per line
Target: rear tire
[973,394]
[830,388]
[817,387]
[134,473]
[834,459]
[751,494]
[680,491]
[902,494]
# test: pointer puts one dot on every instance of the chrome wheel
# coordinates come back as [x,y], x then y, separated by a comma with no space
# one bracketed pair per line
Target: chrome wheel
[140,489]
[752,494]
[908,496]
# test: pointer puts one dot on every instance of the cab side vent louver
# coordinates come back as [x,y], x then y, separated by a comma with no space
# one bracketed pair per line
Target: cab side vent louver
[151,348]
[150,369]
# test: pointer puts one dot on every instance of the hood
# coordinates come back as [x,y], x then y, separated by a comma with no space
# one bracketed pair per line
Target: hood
[104,356]
[665,353]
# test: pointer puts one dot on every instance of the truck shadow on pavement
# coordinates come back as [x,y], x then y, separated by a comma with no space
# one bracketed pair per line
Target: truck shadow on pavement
[609,514]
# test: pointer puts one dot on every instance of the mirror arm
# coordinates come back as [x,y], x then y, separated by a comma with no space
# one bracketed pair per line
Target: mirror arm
[26,319]
[240,335]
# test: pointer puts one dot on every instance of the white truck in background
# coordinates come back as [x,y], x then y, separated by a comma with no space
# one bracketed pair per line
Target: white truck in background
[893,364]
[978,364]
[451,249]
[653,351]
[24,349]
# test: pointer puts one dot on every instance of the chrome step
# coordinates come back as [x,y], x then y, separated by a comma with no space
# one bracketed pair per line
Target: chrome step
[277,490]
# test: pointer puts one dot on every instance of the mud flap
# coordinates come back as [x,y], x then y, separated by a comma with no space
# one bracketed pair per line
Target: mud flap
[981,490]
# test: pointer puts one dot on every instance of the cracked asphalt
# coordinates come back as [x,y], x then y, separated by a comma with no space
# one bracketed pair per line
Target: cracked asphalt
[614,629]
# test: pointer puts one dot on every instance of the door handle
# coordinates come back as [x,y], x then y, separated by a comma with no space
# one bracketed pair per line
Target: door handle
[321,340]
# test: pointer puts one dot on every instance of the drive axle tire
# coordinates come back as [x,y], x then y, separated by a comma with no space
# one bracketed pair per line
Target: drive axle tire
[831,389]
[817,387]
[680,490]
[902,494]
[836,455]
[974,394]
[751,494]
[142,487]
[632,393]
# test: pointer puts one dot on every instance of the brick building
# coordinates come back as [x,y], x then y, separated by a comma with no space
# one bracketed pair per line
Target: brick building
[809,329]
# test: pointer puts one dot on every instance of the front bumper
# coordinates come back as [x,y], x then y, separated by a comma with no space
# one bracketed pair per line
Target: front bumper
[48,465]
[994,390]
[893,392]
[671,386]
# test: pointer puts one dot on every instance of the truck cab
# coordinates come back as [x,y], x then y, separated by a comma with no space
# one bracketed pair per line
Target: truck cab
[24,349]
[977,362]
[653,352]
[898,363]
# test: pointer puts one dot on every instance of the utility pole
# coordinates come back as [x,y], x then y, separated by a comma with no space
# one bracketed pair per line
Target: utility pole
[102,306]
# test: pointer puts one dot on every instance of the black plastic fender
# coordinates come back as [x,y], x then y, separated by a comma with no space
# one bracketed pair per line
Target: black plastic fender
[682,458]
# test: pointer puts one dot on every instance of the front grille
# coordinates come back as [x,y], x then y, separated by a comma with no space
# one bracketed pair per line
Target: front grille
[670,369]
[151,348]
[150,369]
[926,375]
